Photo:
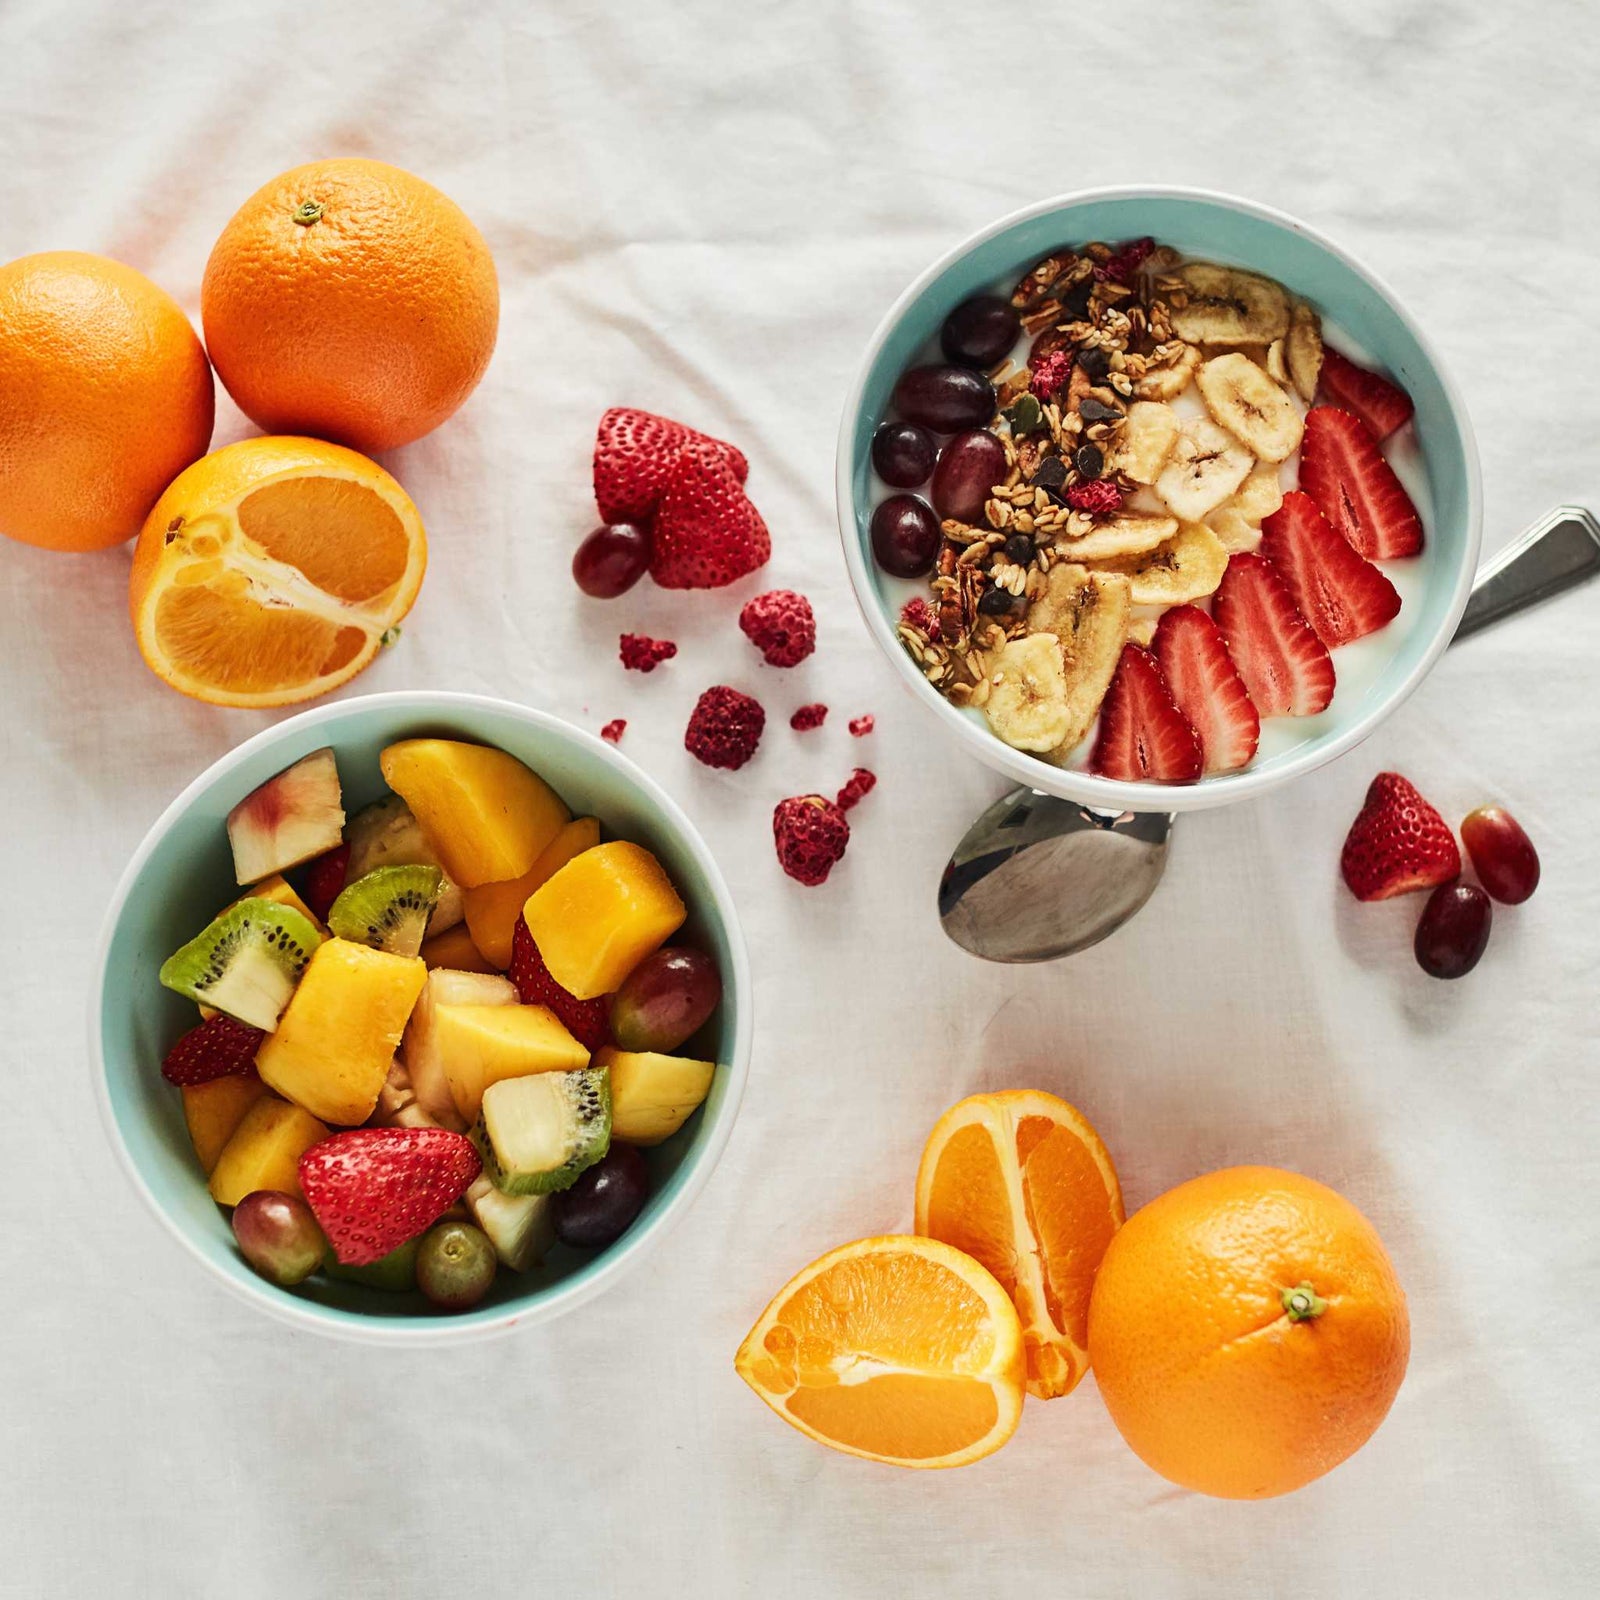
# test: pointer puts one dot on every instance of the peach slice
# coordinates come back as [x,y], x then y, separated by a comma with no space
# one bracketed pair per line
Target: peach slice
[289,819]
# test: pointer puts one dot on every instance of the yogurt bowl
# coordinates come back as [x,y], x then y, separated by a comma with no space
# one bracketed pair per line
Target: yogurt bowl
[1434,455]
[183,871]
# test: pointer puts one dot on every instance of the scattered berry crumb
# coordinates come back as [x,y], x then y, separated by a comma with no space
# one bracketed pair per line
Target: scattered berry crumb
[1050,373]
[1098,495]
[809,717]
[613,730]
[1125,262]
[724,728]
[860,785]
[641,653]
[781,625]
[918,614]
[810,834]
[860,727]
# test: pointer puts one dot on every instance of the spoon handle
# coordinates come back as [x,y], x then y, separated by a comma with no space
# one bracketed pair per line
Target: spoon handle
[1558,551]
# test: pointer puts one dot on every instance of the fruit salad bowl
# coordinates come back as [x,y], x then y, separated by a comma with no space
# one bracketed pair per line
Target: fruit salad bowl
[1365,331]
[182,872]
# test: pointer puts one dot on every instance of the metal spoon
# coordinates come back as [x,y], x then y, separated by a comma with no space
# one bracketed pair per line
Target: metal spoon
[1036,878]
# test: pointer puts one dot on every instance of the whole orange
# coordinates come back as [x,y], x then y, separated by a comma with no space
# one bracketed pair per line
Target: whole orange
[351,301]
[1247,1332]
[105,397]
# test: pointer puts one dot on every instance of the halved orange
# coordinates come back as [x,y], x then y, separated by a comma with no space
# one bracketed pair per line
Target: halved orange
[897,1349]
[1021,1182]
[270,571]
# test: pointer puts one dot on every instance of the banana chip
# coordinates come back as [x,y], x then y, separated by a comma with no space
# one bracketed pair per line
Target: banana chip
[1187,567]
[1145,440]
[1303,351]
[1088,612]
[1229,306]
[1027,704]
[1206,466]
[1243,398]
[1128,533]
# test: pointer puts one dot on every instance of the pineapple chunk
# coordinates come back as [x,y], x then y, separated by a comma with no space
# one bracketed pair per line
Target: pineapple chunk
[425,1062]
[334,1043]
[455,950]
[493,908]
[480,1045]
[213,1110]
[521,1227]
[265,1151]
[485,813]
[652,1096]
[601,915]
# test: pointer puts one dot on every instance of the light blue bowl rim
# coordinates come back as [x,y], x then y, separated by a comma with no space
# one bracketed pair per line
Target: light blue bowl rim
[687,1180]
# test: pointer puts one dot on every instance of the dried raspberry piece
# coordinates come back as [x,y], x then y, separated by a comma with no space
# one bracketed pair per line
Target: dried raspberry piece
[810,834]
[724,728]
[1100,495]
[1125,262]
[781,625]
[1050,374]
[613,730]
[809,717]
[860,727]
[861,784]
[641,653]
[918,614]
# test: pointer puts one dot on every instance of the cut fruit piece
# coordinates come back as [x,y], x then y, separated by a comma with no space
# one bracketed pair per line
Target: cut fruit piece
[587,1020]
[1188,566]
[1020,1181]
[218,1048]
[332,1050]
[454,951]
[386,834]
[1285,666]
[482,1044]
[1342,595]
[653,1095]
[264,1151]
[521,1227]
[425,1062]
[395,1273]
[246,963]
[1343,470]
[291,818]
[601,914]
[1382,405]
[537,1133]
[485,813]
[897,1349]
[281,890]
[387,908]
[212,1111]
[492,909]
[1143,736]
[1206,687]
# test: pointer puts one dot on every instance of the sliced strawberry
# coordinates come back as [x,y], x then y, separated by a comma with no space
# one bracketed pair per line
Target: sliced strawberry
[1397,843]
[325,879]
[1342,595]
[1343,470]
[1206,687]
[371,1189]
[219,1048]
[1142,734]
[1382,405]
[1285,666]
[588,1021]
[634,454]
[707,533]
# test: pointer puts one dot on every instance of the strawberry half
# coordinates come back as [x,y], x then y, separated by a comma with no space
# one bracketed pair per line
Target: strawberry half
[1343,470]
[1382,405]
[707,533]
[1398,843]
[219,1048]
[325,880]
[1142,734]
[588,1021]
[371,1189]
[1342,595]
[634,454]
[1206,687]
[1285,666]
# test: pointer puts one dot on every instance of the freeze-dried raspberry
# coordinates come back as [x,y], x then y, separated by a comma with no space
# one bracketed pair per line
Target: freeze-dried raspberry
[808,717]
[1050,374]
[613,730]
[641,653]
[810,834]
[861,784]
[918,614]
[780,624]
[1098,496]
[724,728]
[1127,261]
[862,726]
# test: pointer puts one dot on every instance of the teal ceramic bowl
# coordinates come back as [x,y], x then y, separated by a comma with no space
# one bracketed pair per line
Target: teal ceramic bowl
[1241,233]
[183,872]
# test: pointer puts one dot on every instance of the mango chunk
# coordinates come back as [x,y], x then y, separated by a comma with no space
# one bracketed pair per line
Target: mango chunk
[493,908]
[481,1044]
[486,814]
[454,950]
[601,915]
[652,1095]
[335,1040]
[213,1110]
[265,1151]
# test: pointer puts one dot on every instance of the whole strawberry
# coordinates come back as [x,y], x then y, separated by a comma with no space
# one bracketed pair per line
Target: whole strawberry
[706,534]
[372,1189]
[588,1021]
[724,728]
[634,454]
[781,625]
[810,834]
[218,1048]
[1398,843]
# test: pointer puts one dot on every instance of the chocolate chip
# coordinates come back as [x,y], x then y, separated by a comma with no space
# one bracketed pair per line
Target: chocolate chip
[1052,473]
[1096,362]
[1075,302]
[1019,548]
[1090,460]
[996,602]
[1093,410]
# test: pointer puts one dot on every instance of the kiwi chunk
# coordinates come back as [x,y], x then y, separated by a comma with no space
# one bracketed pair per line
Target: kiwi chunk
[537,1133]
[247,962]
[387,908]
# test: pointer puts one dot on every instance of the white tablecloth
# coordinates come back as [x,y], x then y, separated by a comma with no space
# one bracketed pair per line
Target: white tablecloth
[704,208]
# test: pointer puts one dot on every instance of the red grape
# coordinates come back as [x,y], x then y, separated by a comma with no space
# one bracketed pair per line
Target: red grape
[905,535]
[1454,930]
[278,1236]
[600,1207]
[1502,854]
[946,399]
[980,332]
[665,999]
[455,1265]
[903,454]
[611,560]
[970,465]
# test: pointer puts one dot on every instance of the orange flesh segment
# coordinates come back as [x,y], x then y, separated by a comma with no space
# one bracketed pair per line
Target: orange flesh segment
[902,1414]
[971,1206]
[234,643]
[291,521]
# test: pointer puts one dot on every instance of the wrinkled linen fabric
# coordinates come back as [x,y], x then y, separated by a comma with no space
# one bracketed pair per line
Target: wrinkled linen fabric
[704,208]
